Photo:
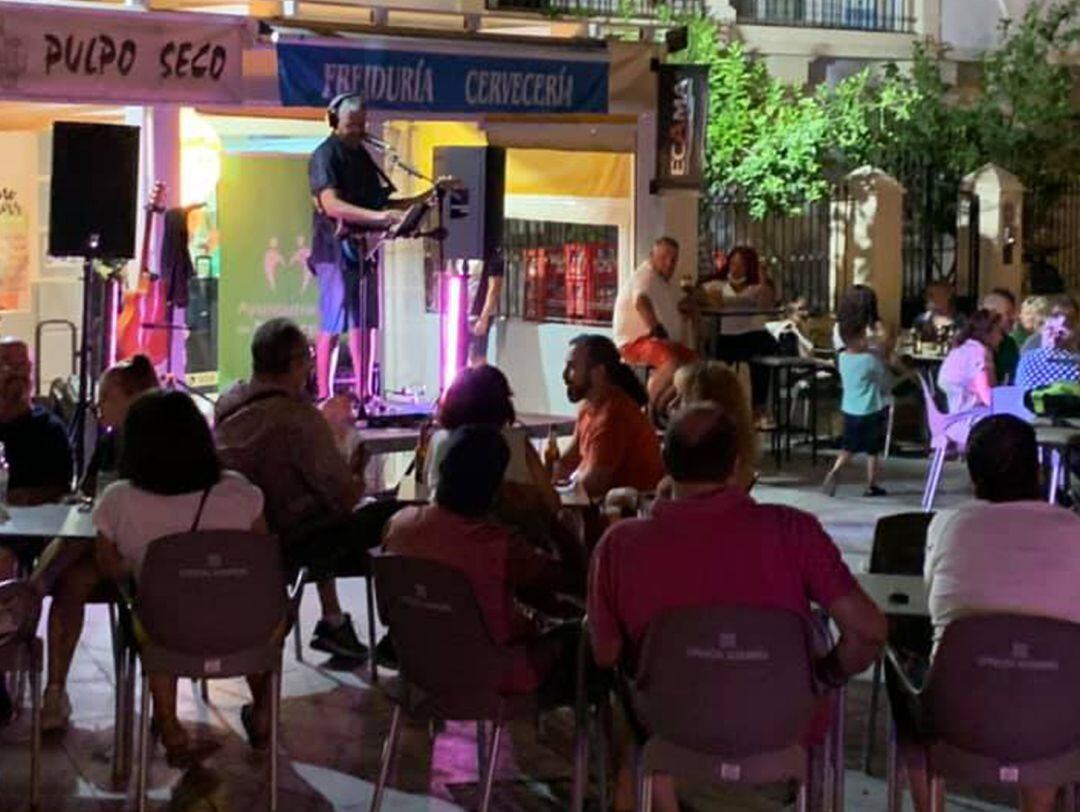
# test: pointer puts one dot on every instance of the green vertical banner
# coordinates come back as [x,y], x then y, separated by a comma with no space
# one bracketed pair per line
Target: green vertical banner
[264,217]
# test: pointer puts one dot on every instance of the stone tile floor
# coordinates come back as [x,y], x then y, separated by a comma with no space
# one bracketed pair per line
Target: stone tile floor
[333,721]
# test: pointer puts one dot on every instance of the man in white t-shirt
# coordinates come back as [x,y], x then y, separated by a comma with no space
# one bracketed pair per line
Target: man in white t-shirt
[1008,552]
[649,324]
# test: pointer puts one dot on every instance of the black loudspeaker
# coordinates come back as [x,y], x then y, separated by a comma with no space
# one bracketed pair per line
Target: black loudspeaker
[474,220]
[95,170]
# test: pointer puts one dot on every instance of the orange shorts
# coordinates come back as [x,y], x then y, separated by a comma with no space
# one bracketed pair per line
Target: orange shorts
[656,352]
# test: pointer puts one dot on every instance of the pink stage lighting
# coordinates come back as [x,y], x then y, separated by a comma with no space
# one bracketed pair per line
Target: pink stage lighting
[453,327]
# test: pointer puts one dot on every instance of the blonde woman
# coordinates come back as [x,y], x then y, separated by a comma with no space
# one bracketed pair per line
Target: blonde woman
[715,381]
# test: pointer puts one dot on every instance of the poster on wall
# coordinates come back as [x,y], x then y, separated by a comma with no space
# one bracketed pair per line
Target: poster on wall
[264,251]
[14,234]
[683,104]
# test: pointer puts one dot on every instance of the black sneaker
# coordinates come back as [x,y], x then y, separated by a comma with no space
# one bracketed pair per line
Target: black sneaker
[385,654]
[340,641]
[874,490]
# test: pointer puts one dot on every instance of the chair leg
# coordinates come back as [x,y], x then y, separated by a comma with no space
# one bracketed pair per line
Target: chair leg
[837,755]
[492,763]
[35,733]
[481,746]
[642,784]
[894,780]
[129,714]
[1056,467]
[937,793]
[388,752]
[604,737]
[581,762]
[119,698]
[275,722]
[144,741]
[369,588]
[933,477]
[298,644]
[802,799]
[871,718]
[889,430]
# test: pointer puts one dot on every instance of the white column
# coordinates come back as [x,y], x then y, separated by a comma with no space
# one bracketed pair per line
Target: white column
[1000,226]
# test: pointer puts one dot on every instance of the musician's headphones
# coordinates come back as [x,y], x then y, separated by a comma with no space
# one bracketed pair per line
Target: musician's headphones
[332,109]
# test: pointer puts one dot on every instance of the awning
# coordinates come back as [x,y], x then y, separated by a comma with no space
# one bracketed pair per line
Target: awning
[66,54]
[445,76]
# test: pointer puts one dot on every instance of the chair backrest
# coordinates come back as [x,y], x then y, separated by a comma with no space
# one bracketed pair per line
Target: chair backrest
[211,592]
[1005,686]
[1010,400]
[726,680]
[442,643]
[900,544]
[935,418]
[20,609]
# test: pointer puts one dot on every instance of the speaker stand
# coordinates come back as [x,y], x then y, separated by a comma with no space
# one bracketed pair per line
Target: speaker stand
[77,429]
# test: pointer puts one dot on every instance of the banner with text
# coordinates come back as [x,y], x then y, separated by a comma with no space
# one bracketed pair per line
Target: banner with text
[390,79]
[60,53]
[683,105]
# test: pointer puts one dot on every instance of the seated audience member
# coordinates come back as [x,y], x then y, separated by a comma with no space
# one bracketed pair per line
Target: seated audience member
[38,456]
[1033,313]
[712,544]
[614,444]
[269,430]
[458,531]
[1007,551]
[68,569]
[481,395]
[743,284]
[940,314]
[1007,355]
[1064,306]
[715,382]
[967,373]
[172,482]
[649,324]
[1055,361]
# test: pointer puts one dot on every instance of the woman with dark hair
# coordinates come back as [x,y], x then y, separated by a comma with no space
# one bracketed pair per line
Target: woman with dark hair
[171,482]
[67,569]
[743,287]
[481,396]
[967,373]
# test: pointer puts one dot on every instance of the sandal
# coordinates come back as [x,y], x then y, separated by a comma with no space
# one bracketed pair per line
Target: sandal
[184,754]
[258,741]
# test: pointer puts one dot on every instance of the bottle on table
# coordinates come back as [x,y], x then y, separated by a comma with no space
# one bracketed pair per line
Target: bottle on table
[5,475]
[551,453]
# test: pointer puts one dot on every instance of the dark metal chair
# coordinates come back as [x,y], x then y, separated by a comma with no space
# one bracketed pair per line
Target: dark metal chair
[726,694]
[212,604]
[1000,705]
[21,652]
[450,666]
[899,548]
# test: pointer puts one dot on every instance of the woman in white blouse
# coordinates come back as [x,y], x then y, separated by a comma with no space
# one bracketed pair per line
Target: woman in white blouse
[171,482]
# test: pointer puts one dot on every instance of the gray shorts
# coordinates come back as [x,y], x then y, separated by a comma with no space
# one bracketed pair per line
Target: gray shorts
[347,299]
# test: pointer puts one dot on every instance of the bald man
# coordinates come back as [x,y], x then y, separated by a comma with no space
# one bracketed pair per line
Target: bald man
[712,544]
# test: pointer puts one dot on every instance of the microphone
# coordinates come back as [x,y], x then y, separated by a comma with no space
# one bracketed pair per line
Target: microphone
[378,143]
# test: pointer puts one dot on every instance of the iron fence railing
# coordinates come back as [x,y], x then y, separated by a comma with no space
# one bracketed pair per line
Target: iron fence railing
[1052,237]
[862,15]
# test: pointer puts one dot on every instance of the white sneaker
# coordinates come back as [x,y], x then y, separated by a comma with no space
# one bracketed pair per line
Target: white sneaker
[55,709]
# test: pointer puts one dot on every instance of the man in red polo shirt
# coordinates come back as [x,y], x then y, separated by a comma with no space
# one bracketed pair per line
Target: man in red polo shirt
[614,445]
[710,544]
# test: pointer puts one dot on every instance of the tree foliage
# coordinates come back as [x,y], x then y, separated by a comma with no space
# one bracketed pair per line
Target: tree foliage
[783,145]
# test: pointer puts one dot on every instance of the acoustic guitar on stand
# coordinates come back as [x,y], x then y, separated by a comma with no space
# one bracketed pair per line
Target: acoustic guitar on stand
[146,304]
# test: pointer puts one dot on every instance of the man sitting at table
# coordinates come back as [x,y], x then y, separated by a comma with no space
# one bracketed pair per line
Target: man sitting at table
[269,431]
[649,323]
[712,544]
[1008,551]
[614,443]
[38,456]
[459,531]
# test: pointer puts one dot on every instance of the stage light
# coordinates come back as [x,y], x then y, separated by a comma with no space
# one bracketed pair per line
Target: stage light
[200,158]
[452,328]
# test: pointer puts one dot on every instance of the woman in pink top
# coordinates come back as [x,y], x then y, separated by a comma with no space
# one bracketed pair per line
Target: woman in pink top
[967,374]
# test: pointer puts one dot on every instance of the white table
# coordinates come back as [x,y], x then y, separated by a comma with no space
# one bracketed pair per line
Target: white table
[896,594]
[49,521]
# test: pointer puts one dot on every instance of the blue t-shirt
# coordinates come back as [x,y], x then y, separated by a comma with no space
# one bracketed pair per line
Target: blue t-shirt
[865,380]
[1042,367]
[37,450]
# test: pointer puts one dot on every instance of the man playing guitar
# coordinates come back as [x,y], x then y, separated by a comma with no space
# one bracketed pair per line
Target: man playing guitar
[349,191]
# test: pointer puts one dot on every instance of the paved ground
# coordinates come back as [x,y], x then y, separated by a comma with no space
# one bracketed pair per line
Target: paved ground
[333,721]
